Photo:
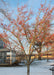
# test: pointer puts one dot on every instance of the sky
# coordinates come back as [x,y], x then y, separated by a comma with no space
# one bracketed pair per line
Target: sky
[33,4]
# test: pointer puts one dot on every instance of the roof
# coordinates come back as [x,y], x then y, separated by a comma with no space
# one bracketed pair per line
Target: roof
[4,49]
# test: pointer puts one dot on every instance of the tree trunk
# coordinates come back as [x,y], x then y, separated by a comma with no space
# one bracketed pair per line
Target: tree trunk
[28,69]
[47,53]
[47,57]
[28,58]
[39,56]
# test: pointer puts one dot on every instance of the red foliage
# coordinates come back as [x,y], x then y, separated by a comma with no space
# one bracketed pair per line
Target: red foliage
[1,36]
[24,34]
[20,22]
[38,31]
[15,23]
[5,35]
[1,23]
[22,47]
[41,5]
[30,37]
[11,21]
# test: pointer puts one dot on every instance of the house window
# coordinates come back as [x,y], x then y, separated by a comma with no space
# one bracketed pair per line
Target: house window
[1,44]
[2,57]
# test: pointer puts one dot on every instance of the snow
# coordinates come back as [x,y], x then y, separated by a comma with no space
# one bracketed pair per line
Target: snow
[36,68]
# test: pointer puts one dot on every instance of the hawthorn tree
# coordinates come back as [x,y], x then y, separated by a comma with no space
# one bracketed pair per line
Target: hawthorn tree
[22,33]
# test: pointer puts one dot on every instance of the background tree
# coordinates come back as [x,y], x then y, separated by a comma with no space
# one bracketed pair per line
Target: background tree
[49,43]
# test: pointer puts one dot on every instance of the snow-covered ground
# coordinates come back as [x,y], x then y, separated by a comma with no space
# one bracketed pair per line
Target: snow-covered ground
[36,68]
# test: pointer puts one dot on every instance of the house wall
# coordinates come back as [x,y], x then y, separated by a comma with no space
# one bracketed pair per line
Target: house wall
[7,57]
[12,56]
[3,58]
